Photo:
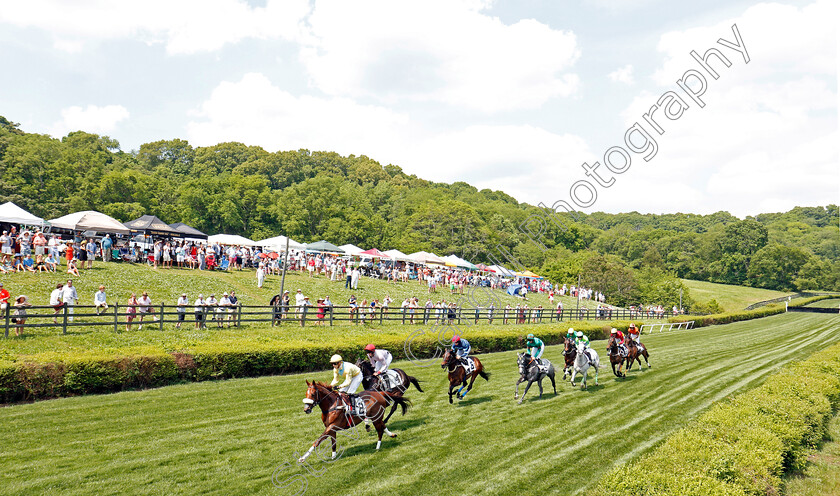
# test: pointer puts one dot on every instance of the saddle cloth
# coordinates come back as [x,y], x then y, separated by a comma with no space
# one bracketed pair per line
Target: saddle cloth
[544,365]
[469,368]
[389,380]
[358,406]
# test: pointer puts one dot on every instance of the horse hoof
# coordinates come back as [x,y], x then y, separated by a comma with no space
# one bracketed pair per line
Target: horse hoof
[519,402]
[301,460]
[393,435]
[367,427]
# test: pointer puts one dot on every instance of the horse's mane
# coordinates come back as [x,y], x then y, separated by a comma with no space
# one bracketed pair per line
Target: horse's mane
[323,385]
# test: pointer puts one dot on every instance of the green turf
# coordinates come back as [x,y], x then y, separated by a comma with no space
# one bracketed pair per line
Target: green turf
[229,437]
[830,303]
[730,298]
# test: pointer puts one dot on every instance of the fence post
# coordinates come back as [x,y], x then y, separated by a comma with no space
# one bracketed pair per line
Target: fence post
[239,315]
[116,311]
[381,311]
[6,318]
[160,315]
[64,321]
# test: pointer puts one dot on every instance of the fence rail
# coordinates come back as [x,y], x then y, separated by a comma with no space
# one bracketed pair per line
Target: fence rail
[667,326]
[116,316]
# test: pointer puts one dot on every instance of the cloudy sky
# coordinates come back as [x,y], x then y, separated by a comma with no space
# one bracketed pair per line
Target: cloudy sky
[509,95]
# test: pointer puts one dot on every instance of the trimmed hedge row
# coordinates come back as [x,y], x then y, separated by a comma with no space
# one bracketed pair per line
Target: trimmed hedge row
[743,446]
[728,318]
[68,374]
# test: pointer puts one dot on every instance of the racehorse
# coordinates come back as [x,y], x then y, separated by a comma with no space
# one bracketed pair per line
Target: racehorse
[615,356]
[530,371]
[458,374]
[375,383]
[569,354]
[336,417]
[634,351]
[582,364]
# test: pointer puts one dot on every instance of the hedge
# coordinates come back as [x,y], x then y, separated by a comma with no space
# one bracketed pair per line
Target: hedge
[743,446]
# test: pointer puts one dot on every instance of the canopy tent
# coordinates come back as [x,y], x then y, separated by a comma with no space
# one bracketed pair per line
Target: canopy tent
[12,214]
[515,290]
[498,269]
[397,255]
[459,262]
[278,243]
[89,220]
[484,268]
[528,273]
[152,226]
[425,257]
[188,231]
[323,247]
[374,253]
[230,239]
[351,249]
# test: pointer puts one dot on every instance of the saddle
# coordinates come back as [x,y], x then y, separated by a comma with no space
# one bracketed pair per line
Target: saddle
[389,380]
[353,405]
[469,365]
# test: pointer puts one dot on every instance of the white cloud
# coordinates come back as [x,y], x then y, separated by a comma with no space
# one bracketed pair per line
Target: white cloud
[92,119]
[185,27]
[439,50]
[622,75]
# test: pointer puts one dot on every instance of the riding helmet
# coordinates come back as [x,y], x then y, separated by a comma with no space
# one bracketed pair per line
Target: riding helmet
[614,331]
[456,338]
[579,334]
[336,359]
[370,347]
[530,336]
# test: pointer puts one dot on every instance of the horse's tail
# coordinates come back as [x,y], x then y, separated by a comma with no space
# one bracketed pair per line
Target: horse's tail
[414,381]
[400,400]
[484,375]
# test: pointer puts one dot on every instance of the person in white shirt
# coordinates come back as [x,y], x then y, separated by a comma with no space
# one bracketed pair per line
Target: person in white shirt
[99,300]
[224,306]
[199,311]
[183,301]
[379,358]
[260,276]
[299,301]
[212,303]
[69,297]
[55,300]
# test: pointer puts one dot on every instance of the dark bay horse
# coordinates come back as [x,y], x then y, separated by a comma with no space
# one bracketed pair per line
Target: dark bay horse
[531,372]
[336,418]
[375,383]
[634,351]
[569,354]
[458,375]
[615,356]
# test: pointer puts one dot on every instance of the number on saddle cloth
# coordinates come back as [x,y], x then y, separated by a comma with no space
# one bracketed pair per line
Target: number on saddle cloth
[469,367]
[358,406]
[388,380]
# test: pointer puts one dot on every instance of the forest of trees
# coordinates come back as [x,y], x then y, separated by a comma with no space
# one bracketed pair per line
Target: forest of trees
[238,189]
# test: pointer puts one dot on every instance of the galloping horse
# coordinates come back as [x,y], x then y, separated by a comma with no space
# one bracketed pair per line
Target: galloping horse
[582,364]
[337,418]
[615,356]
[569,354]
[531,372]
[458,374]
[375,383]
[634,351]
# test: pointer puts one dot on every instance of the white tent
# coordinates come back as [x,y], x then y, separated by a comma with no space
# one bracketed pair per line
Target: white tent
[278,243]
[501,271]
[425,257]
[458,261]
[351,249]
[90,220]
[398,255]
[230,239]
[12,214]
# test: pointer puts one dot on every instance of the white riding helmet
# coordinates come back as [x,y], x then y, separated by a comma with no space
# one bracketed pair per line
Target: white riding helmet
[572,330]
[336,359]
[614,331]
[579,334]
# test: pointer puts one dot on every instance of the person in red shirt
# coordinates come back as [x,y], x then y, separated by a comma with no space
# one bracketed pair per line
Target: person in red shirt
[4,297]
[619,338]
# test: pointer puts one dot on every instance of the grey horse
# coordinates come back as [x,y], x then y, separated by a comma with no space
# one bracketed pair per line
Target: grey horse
[530,372]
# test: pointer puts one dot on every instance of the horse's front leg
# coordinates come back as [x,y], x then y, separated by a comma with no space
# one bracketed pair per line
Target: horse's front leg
[451,390]
[516,393]
[326,434]
[574,373]
[527,387]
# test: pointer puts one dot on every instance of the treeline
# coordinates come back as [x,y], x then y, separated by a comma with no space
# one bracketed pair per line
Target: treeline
[239,189]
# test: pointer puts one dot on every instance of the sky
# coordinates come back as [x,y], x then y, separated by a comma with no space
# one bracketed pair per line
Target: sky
[508,95]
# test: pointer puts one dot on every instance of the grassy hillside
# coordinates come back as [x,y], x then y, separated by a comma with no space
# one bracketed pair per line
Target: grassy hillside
[230,437]
[730,298]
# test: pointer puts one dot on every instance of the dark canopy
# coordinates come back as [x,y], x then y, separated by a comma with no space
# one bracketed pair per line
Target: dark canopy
[323,246]
[187,231]
[152,226]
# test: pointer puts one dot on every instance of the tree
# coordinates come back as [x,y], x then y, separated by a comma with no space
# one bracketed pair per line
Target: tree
[777,267]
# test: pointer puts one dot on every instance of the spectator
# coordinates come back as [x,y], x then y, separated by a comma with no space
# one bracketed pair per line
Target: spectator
[234,302]
[20,314]
[99,300]
[131,311]
[91,253]
[107,245]
[261,276]
[39,242]
[145,306]
[28,263]
[51,262]
[199,307]
[55,300]
[183,301]
[71,266]
[4,297]
[322,310]
[304,308]
[69,297]
[223,307]
[40,266]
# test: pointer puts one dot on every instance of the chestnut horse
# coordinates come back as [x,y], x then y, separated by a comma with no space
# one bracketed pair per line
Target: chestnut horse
[374,383]
[634,351]
[336,418]
[569,354]
[615,356]
[458,375]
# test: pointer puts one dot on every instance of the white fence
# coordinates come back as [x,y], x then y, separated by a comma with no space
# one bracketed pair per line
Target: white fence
[667,326]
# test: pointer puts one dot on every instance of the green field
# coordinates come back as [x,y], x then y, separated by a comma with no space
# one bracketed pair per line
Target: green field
[730,298]
[229,437]
[830,303]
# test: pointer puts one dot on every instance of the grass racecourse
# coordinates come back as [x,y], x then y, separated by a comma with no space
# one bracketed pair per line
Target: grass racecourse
[232,437]
[730,298]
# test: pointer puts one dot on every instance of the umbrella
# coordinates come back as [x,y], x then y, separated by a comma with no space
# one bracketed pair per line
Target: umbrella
[274,255]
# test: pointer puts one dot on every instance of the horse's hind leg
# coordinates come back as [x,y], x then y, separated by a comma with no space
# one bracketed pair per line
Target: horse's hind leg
[553,385]
[393,409]
[472,381]
[539,383]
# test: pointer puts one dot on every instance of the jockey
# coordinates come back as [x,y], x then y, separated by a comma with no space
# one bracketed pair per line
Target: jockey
[461,348]
[619,341]
[380,359]
[570,334]
[534,347]
[352,376]
[581,338]
[633,335]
